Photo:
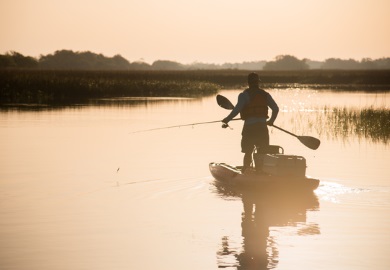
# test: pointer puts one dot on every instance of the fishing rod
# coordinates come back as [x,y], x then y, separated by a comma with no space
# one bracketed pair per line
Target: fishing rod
[179,126]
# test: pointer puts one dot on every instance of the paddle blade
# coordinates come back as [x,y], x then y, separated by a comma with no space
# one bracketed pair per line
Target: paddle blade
[311,142]
[224,102]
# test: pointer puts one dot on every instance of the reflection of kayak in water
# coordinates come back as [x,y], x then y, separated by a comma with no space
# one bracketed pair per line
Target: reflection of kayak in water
[277,170]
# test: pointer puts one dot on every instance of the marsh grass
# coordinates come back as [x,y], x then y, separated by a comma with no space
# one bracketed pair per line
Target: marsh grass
[341,123]
[344,123]
[67,87]
[51,87]
[366,123]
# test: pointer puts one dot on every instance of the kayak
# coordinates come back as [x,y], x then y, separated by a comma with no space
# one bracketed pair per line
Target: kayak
[271,170]
[233,176]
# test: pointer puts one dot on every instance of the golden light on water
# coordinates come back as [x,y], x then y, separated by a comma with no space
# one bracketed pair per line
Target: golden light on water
[65,204]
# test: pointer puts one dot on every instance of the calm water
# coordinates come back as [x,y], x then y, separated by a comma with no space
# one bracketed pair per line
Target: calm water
[80,190]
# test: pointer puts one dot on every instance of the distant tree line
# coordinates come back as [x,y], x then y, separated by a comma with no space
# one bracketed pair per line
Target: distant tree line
[70,60]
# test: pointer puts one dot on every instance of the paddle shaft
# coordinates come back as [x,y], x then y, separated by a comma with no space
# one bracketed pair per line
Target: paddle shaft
[311,142]
[288,132]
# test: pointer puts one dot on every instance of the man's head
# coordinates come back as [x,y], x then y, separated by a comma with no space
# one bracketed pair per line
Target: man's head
[253,79]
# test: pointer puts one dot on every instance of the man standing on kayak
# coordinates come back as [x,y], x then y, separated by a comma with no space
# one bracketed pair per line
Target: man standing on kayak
[253,105]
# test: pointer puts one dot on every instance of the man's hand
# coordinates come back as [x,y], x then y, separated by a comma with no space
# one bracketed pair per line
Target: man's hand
[270,123]
[225,123]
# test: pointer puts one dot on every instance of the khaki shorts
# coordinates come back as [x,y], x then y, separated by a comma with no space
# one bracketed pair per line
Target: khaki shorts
[255,135]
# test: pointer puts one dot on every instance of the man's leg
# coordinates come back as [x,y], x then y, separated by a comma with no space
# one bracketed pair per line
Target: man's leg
[262,143]
[247,146]
[247,161]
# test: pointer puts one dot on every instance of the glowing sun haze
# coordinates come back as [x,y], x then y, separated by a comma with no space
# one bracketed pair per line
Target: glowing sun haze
[211,31]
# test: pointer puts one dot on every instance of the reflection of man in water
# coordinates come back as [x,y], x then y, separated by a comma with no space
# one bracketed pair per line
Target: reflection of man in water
[253,106]
[255,233]
[262,210]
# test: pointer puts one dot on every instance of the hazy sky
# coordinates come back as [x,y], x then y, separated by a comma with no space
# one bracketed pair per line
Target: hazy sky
[211,31]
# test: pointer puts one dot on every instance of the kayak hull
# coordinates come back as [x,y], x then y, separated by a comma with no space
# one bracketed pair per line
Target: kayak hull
[233,176]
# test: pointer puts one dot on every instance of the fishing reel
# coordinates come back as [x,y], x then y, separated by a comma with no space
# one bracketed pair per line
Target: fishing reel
[224,125]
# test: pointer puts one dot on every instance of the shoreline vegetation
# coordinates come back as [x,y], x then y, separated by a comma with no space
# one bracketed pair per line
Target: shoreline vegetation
[86,60]
[59,87]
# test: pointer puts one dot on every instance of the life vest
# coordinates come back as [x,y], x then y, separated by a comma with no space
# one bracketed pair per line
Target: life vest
[257,106]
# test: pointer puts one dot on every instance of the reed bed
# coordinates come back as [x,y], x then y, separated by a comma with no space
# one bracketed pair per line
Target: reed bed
[343,123]
[365,123]
[48,87]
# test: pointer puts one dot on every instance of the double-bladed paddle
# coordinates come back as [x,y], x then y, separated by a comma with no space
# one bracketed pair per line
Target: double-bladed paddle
[310,142]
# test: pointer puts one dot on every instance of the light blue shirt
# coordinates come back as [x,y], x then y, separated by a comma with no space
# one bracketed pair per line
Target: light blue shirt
[243,99]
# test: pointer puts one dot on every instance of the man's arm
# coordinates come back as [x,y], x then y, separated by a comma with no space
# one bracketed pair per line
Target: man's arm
[275,109]
[240,104]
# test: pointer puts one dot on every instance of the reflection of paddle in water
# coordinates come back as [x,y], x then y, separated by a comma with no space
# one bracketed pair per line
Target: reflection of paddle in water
[262,211]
